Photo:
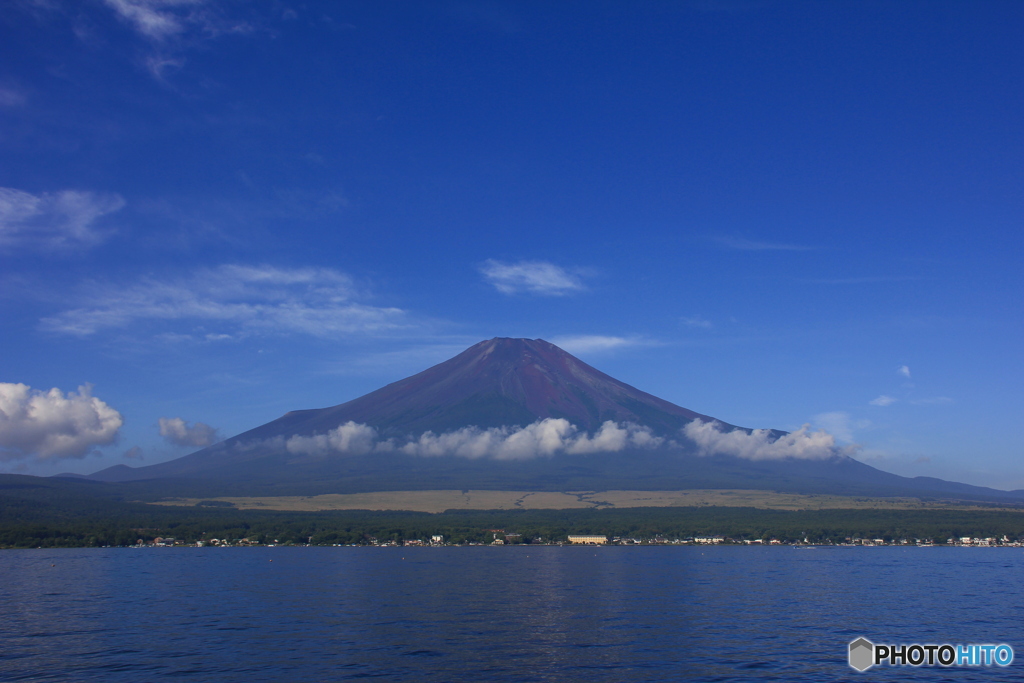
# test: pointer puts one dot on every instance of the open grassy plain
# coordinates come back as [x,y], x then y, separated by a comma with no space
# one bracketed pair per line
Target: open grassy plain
[447,500]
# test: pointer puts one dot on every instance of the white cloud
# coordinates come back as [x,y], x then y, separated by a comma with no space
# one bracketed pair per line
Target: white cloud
[135,452]
[180,433]
[239,299]
[744,244]
[593,342]
[533,277]
[50,425]
[57,220]
[883,400]
[350,438]
[904,370]
[544,438]
[760,444]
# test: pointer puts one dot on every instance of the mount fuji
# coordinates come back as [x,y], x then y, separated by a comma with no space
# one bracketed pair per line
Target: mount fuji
[521,414]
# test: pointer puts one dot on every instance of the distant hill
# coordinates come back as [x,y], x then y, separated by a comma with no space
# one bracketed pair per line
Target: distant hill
[369,443]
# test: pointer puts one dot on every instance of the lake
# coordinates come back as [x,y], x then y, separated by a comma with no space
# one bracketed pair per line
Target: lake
[513,613]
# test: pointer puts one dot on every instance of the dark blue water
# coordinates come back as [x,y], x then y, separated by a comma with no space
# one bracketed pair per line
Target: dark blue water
[498,614]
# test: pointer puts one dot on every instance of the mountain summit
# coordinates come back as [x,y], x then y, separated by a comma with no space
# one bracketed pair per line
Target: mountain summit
[500,382]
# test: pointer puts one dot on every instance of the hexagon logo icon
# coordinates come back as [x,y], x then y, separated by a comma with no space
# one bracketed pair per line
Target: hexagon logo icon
[862,654]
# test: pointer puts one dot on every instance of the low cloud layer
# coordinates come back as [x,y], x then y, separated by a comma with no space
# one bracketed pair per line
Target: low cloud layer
[544,438]
[530,277]
[59,220]
[49,425]
[760,443]
[350,438]
[552,436]
[178,432]
[234,300]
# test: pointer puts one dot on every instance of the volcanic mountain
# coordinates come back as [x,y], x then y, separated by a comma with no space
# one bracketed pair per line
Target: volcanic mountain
[462,424]
[496,383]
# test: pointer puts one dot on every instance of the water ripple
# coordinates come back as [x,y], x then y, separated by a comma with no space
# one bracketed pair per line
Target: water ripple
[509,614]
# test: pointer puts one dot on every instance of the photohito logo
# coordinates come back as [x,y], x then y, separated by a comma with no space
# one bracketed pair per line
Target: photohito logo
[864,654]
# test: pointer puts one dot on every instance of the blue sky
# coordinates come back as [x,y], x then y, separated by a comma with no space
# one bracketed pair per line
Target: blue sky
[775,213]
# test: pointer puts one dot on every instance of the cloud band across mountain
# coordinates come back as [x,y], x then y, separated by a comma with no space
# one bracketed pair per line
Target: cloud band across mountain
[552,436]
[759,444]
[543,438]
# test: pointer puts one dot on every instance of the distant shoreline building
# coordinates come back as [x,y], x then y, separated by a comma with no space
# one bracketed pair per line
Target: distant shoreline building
[588,540]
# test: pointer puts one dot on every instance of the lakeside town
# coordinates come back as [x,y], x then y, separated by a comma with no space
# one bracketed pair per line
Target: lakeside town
[501,538]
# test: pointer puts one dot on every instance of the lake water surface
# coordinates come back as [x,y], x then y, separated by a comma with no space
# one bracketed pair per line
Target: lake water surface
[499,614]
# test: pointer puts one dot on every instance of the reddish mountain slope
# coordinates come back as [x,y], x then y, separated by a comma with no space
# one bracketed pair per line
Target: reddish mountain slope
[492,384]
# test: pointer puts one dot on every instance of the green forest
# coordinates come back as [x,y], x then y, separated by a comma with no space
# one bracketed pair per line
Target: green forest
[66,513]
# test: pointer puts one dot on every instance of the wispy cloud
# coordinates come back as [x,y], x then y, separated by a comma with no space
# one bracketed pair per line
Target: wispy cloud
[156,19]
[904,370]
[883,401]
[593,342]
[162,20]
[63,220]
[760,444]
[239,300]
[696,321]
[744,244]
[176,431]
[531,277]
[169,25]
[841,424]
[50,425]
[9,97]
